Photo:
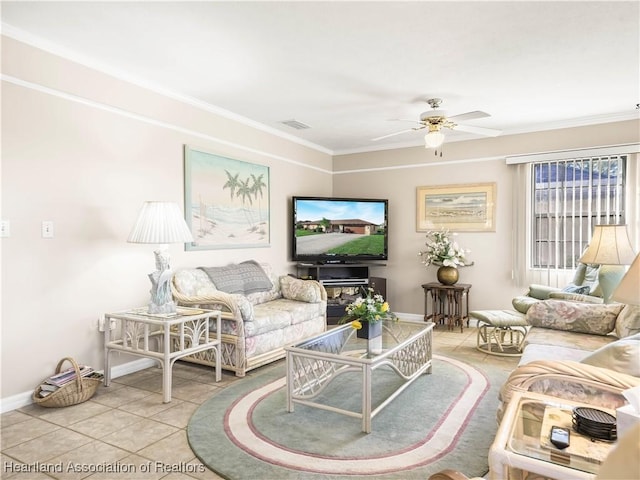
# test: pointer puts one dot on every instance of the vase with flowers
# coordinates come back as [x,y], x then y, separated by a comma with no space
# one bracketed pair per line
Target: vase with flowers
[446,254]
[366,314]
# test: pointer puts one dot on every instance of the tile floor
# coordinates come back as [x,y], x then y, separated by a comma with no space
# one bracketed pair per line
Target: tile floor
[128,429]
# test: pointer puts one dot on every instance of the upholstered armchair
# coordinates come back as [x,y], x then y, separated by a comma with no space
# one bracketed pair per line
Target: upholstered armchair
[584,287]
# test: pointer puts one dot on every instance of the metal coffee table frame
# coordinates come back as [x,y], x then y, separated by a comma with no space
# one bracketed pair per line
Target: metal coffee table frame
[405,347]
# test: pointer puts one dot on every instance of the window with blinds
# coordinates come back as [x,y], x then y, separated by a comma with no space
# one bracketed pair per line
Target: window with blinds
[569,197]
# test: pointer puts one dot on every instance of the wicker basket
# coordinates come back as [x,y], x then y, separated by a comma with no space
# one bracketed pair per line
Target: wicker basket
[77,391]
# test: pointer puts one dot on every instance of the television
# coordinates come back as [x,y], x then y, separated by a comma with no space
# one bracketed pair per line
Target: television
[339,230]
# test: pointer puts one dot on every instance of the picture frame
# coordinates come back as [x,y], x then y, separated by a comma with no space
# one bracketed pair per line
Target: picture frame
[461,208]
[226,201]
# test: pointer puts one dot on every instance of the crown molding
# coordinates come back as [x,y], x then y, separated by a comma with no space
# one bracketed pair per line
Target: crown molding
[55,49]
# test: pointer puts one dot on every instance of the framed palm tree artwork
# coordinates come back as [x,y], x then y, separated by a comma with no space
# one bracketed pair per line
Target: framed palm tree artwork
[226,201]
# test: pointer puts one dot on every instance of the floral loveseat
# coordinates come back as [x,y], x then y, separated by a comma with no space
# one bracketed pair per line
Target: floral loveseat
[261,312]
[580,351]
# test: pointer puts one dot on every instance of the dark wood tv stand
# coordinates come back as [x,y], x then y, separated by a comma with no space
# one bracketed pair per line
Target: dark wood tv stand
[344,282]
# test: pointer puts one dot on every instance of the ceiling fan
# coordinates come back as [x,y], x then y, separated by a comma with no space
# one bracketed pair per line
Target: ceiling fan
[436,119]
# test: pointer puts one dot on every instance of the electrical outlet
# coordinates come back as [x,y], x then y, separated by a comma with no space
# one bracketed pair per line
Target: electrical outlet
[47,229]
[5,228]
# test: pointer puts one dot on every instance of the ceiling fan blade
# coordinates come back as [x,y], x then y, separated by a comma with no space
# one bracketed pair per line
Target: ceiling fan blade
[405,120]
[487,132]
[469,116]
[396,133]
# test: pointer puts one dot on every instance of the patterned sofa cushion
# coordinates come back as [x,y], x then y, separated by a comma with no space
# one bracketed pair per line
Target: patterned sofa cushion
[589,318]
[281,313]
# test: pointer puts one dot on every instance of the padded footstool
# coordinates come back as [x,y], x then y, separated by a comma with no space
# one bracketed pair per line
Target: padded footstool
[501,332]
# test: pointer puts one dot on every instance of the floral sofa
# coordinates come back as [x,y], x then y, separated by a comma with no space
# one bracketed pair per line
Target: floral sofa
[261,312]
[580,351]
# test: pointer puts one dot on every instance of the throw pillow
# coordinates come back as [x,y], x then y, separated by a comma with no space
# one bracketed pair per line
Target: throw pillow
[628,322]
[300,290]
[576,289]
[621,356]
[243,278]
[597,319]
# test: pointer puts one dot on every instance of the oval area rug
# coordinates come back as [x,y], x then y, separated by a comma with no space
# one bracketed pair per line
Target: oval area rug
[443,420]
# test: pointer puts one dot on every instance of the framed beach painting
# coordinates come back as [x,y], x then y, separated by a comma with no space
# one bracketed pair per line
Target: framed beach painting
[468,208]
[226,201]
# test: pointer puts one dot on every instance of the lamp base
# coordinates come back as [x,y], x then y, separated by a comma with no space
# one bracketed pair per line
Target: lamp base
[169,307]
[161,298]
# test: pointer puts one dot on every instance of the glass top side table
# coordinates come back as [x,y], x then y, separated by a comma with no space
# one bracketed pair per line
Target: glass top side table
[522,445]
[162,337]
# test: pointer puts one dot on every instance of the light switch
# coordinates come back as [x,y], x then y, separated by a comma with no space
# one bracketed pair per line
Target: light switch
[47,229]
[5,228]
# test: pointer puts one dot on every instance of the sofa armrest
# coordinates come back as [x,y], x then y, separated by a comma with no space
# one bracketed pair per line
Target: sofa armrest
[225,302]
[541,292]
[536,373]
[575,297]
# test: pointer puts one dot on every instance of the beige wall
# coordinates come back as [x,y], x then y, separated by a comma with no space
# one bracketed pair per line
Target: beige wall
[395,174]
[85,150]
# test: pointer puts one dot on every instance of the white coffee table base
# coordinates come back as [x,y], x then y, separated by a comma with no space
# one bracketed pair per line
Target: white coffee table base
[314,363]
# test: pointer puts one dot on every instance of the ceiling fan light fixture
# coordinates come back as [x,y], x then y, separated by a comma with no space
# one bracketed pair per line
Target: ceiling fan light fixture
[433,139]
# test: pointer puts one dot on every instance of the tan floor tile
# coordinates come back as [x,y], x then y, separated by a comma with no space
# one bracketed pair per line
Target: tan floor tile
[105,423]
[194,392]
[178,415]
[149,406]
[13,417]
[190,370]
[139,435]
[133,379]
[47,446]
[88,459]
[102,390]
[171,450]
[72,414]
[24,431]
[153,383]
[121,396]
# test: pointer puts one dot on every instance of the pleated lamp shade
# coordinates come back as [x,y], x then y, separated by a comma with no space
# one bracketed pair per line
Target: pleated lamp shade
[161,223]
[628,291]
[609,245]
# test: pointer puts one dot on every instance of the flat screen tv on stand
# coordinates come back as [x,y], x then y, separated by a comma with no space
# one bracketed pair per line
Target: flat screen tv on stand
[339,230]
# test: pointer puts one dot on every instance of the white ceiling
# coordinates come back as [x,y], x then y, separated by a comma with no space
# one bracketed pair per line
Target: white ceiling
[347,68]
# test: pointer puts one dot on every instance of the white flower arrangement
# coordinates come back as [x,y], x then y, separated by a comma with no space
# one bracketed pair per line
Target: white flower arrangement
[442,251]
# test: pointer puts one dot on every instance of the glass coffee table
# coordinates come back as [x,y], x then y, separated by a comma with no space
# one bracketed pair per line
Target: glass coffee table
[522,448]
[404,348]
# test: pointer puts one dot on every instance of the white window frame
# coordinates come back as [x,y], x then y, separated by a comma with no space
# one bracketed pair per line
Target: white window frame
[523,272]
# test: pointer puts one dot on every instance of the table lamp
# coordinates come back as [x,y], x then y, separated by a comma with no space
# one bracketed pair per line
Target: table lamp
[611,249]
[628,291]
[161,223]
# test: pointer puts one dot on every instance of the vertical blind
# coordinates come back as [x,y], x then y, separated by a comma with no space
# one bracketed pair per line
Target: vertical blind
[570,197]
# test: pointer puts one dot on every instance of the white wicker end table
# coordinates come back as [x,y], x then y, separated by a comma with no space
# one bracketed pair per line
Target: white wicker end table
[162,337]
[404,347]
[522,450]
